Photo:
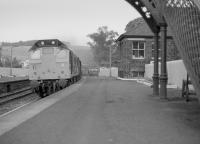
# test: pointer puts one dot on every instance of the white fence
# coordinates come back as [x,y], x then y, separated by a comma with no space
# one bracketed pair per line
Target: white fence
[175,69]
[15,71]
[105,72]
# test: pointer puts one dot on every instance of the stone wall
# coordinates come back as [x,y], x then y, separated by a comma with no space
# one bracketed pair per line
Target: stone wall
[175,69]
[105,72]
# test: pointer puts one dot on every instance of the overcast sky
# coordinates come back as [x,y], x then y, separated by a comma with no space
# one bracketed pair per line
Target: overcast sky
[68,20]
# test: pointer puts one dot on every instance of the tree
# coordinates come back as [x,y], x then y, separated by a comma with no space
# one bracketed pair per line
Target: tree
[7,62]
[135,24]
[15,62]
[102,41]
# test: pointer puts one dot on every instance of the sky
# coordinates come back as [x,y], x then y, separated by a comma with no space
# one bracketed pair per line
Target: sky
[67,20]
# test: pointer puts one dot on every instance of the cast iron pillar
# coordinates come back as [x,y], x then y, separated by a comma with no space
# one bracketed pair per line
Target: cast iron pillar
[156,66]
[163,75]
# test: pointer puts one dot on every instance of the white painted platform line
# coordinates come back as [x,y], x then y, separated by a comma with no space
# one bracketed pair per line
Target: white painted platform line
[127,79]
[15,109]
[138,80]
[146,82]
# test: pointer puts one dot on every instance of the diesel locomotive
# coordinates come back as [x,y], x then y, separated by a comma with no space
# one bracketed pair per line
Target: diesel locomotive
[53,66]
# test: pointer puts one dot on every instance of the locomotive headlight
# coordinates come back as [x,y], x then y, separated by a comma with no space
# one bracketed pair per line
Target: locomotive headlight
[53,42]
[42,42]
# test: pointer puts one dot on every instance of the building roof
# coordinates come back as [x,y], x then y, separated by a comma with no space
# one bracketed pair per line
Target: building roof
[138,28]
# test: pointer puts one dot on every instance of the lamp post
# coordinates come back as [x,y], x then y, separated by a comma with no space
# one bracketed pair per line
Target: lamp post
[11,64]
[110,60]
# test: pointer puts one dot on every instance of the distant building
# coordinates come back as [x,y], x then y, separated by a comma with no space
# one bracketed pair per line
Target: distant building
[136,49]
[25,64]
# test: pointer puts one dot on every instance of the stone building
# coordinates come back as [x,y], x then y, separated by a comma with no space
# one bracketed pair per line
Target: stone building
[136,49]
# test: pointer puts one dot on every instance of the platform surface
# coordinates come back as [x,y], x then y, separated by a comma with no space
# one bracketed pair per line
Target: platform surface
[104,111]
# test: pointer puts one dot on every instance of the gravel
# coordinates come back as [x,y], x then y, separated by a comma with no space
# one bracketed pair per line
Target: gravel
[6,107]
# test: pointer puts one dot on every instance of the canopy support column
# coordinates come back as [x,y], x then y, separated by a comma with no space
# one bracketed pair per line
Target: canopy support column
[156,65]
[163,75]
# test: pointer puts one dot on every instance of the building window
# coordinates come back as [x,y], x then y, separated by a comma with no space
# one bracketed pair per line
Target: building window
[138,48]
[137,74]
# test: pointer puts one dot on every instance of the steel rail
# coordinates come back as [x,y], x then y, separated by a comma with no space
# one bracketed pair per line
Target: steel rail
[15,94]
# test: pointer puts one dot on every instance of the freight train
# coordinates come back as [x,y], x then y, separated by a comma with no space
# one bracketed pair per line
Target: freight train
[53,66]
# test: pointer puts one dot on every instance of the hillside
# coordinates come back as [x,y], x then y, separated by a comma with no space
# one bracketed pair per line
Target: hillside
[21,51]
[20,43]
[84,53]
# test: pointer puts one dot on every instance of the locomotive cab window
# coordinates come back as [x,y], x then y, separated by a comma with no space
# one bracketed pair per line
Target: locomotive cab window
[36,54]
[61,54]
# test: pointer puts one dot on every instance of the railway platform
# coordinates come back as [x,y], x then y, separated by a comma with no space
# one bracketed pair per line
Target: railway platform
[9,84]
[103,111]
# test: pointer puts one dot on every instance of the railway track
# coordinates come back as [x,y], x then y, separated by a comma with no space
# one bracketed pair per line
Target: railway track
[6,97]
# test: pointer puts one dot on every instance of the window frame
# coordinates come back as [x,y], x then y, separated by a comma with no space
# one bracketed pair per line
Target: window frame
[138,48]
[60,55]
[32,54]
